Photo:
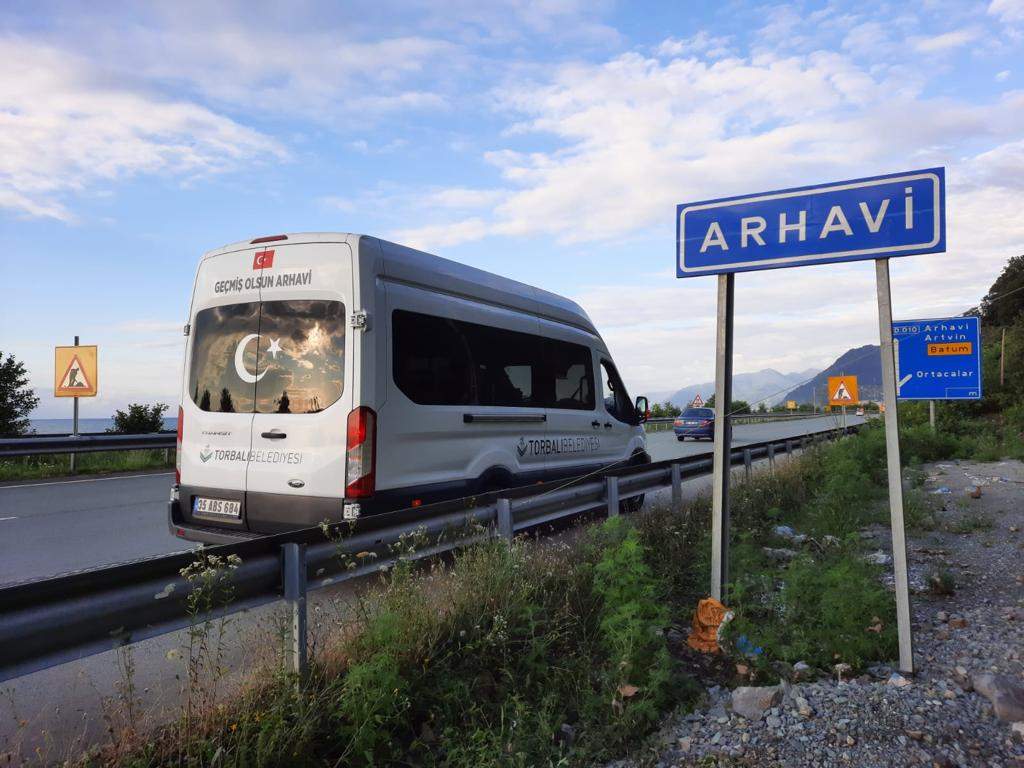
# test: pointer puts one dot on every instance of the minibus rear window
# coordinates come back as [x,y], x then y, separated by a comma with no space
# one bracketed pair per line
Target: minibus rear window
[302,356]
[222,377]
[274,357]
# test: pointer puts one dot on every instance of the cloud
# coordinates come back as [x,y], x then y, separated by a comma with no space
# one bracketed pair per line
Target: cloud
[63,129]
[1002,76]
[1007,11]
[702,43]
[946,41]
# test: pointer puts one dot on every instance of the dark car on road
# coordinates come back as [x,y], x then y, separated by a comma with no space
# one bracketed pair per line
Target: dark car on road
[696,423]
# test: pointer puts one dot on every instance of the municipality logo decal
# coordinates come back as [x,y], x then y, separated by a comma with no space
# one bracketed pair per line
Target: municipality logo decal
[206,454]
[521,448]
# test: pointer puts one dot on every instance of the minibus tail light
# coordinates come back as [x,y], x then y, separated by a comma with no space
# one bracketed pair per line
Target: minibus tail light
[361,453]
[177,446]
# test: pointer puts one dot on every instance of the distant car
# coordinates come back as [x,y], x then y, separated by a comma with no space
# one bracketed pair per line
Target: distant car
[697,423]
[860,411]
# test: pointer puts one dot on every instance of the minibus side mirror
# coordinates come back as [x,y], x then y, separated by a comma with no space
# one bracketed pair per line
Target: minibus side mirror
[643,411]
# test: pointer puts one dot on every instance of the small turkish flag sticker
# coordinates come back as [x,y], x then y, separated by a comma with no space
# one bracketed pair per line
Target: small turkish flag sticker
[263,260]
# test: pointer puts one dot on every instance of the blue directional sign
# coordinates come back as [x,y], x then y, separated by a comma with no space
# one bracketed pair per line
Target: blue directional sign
[899,214]
[938,359]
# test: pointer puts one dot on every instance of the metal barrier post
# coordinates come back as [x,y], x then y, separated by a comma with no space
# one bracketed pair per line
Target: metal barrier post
[505,520]
[789,446]
[804,441]
[611,495]
[677,488]
[295,596]
[771,457]
[748,465]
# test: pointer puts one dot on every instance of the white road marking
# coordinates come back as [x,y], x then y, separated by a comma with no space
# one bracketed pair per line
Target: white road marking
[7,518]
[86,480]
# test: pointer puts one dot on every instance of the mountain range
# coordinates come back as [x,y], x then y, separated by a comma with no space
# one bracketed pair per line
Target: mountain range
[863,362]
[767,384]
[808,386]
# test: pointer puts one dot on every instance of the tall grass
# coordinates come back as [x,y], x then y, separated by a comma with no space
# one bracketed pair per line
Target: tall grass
[101,462]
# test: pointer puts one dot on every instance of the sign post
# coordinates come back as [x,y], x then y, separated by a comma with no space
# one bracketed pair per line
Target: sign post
[76,374]
[721,464]
[892,454]
[900,214]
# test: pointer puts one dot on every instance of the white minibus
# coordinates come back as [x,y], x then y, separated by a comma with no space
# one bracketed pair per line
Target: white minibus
[329,376]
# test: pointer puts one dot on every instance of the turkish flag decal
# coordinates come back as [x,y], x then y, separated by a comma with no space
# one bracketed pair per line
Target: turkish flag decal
[263,260]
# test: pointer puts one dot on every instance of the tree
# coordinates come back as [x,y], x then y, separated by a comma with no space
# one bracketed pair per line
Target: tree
[736,406]
[139,419]
[284,404]
[227,404]
[17,398]
[665,410]
[1004,302]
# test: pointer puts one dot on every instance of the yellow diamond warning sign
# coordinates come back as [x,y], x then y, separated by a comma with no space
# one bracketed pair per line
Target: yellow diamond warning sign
[842,390]
[75,371]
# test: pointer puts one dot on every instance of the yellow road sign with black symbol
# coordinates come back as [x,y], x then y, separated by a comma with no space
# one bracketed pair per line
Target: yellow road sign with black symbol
[842,390]
[76,371]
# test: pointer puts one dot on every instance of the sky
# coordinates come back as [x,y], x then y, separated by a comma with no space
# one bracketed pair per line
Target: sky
[546,141]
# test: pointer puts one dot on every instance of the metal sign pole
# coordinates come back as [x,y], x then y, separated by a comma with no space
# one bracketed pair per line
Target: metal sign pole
[74,422]
[892,450]
[723,438]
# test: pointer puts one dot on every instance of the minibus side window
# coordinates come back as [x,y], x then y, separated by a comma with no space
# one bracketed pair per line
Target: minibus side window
[616,398]
[222,375]
[571,368]
[431,360]
[440,361]
[301,359]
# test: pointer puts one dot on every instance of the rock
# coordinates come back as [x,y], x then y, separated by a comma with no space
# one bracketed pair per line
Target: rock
[1018,730]
[879,558]
[942,616]
[1005,693]
[773,722]
[780,555]
[830,541]
[958,622]
[568,734]
[783,532]
[751,701]
[802,671]
[963,678]
[974,491]
[915,735]
[803,707]
[684,744]
[897,680]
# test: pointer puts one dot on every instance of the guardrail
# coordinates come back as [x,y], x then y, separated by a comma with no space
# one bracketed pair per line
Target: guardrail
[65,618]
[86,443]
[95,442]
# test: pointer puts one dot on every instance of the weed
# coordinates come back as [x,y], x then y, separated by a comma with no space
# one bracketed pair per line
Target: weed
[971,522]
[942,582]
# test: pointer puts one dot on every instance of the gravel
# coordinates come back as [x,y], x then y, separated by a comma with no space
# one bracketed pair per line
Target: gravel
[883,718]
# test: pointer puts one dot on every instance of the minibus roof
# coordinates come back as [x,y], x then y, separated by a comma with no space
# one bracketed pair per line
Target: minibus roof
[408,265]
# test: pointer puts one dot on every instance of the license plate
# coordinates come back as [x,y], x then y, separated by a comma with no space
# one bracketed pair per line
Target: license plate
[217,507]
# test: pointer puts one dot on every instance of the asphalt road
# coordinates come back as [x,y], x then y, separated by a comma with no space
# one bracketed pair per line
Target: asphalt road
[48,528]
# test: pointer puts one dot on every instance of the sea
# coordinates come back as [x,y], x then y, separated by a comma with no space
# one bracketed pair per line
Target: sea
[85,426]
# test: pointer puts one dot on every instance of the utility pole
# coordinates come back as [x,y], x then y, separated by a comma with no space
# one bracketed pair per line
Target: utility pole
[1002,359]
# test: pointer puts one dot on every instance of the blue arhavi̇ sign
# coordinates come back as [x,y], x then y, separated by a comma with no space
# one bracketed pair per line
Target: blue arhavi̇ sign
[938,359]
[895,215]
